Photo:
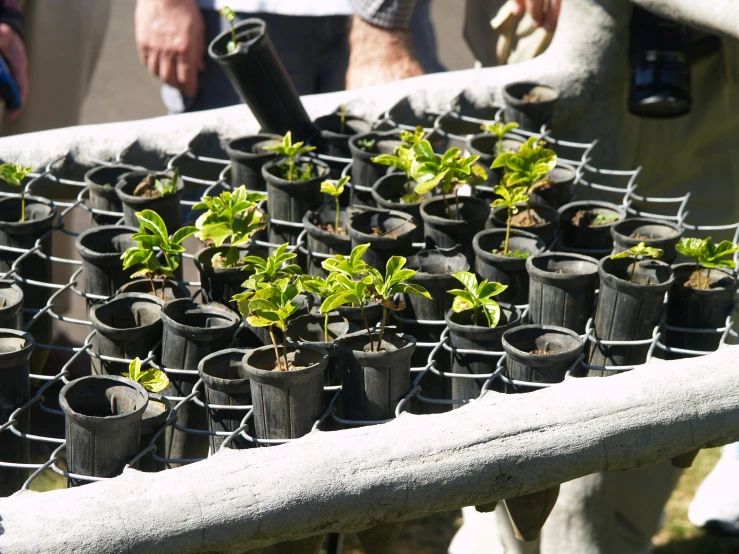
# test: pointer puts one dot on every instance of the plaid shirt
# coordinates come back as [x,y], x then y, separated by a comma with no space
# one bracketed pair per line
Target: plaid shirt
[391,14]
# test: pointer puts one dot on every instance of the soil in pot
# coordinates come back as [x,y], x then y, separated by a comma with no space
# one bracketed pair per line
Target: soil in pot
[509,269]
[699,300]
[630,232]
[156,414]
[374,381]
[103,416]
[336,130]
[100,249]
[389,233]
[317,330]
[100,182]
[586,225]
[16,348]
[365,172]
[127,326]
[322,239]
[220,284]
[465,335]
[538,220]
[226,384]
[557,189]
[562,289]
[136,192]
[627,310]
[529,104]
[172,289]
[247,156]
[11,302]
[447,223]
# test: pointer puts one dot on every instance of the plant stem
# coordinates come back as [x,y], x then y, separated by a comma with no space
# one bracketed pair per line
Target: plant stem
[698,274]
[277,352]
[343,118]
[325,327]
[290,169]
[23,205]
[366,324]
[507,232]
[633,267]
[284,350]
[336,224]
[382,327]
[708,279]
[153,288]
[164,286]
[233,34]
[456,202]
[448,210]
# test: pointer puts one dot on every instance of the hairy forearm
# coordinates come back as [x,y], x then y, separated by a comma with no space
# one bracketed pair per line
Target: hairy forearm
[717,16]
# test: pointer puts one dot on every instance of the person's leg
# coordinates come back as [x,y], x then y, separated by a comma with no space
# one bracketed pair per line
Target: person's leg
[423,37]
[333,54]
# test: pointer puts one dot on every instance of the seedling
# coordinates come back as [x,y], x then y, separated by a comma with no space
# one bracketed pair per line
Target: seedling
[604,218]
[153,237]
[263,272]
[403,159]
[477,297]
[366,144]
[153,380]
[335,190]
[708,255]
[638,252]
[411,138]
[510,198]
[342,120]
[232,216]
[500,130]
[151,187]
[323,288]
[14,174]
[292,151]
[229,15]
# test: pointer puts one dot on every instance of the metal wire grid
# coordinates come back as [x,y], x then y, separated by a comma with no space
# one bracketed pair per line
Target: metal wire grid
[579,155]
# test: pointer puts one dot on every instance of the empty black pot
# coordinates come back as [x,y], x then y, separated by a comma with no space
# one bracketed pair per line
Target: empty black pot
[561,289]
[446,229]
[309,329]
[545,230]
[11,302]
[322,242]
[247,156]
[101,249]
[156,414]
[103,416]
[557,189]
[388,233]
[220,284]
[580,234]
[172,289]
[529,104]
[168,207]
[101,182]
[658,234]
[365,172]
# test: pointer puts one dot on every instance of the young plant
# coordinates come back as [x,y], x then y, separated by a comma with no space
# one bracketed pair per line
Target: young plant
[708,255]
[230,16]
[477,297]
[638,252]
[153,237]
[335,190]
[510,198]
[402,159]
[291,151]
[448,172]
[155,188]
[153,380]
[323,288]
[232,216]
[411,138]
[342,120]
[500,130]
[14,174]
[263,272]
[366,144]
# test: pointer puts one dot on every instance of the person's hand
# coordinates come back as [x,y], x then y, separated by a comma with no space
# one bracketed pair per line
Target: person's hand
[14,52]
[543,16]
[170,38]
[378,55]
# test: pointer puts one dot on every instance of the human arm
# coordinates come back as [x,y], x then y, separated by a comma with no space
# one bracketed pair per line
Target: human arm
[12,48]
[544,13]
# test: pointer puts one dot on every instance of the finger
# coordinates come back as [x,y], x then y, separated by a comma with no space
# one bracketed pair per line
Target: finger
[143,52]
[536,10]
[167,72]
[518,7]
[187,76]
[152,62]
[550,22]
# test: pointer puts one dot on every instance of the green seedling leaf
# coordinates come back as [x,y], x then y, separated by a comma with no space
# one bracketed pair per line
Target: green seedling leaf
[477,297]
[153,380]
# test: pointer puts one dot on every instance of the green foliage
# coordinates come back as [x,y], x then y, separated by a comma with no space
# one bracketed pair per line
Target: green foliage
[638,252]
[292,151]
[366,144]
[411,138]
[500,130]
[14,174]
[263,272]
[448,172]
[230,16]
[167,186]
[509,198]
[352,266]
[604,218]
[477,297]
[335,190]
[402,159]
[527,167]
[153,380]
[708,254]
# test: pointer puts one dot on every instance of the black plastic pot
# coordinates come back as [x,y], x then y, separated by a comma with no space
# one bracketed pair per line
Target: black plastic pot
[336,139]
[394,238]
[168,207]
[172,289]
[485,146]
[256,72]
[191,332]
[523,364]
[530,115]
[557,190]
[659,234]
[15,390]
[387,192]
[11,302]
[101,249]
[545,230]
[561,289]
[103,416]
[442,232]
[221,284]
[587,237]
[699,308]
[506,270]
[247,158]
[128,326]
[373,383]
[465,335]
[286,403]
[157,412]
[626,310]
[321,241]
[309,329]
[226,384]
[101,183]
[365,172]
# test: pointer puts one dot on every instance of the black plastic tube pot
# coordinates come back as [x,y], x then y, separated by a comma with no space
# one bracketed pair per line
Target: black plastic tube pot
[322,242]
[525,358]
[387,192]
[658,234]
[286,403]
[583,236]
[704,308]
[561,289]
[506,270]
[389,233]
[529,104]
[444,229]
[247,157]
[101,249]
[156,414]
[15,390]
[128,326]
[11,302]
[365,172]
[336,134]
[544,230]
[627,311]
[172,289]
[258,75]
[101,182]
[103,416]
[465,335]
[373,383]
[191,332]
[168,207]
[309,329]
[557,189]
[226,384]
[220,284]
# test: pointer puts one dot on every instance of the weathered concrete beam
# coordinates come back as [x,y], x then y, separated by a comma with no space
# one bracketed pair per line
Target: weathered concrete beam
[717,17]
[500,446]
